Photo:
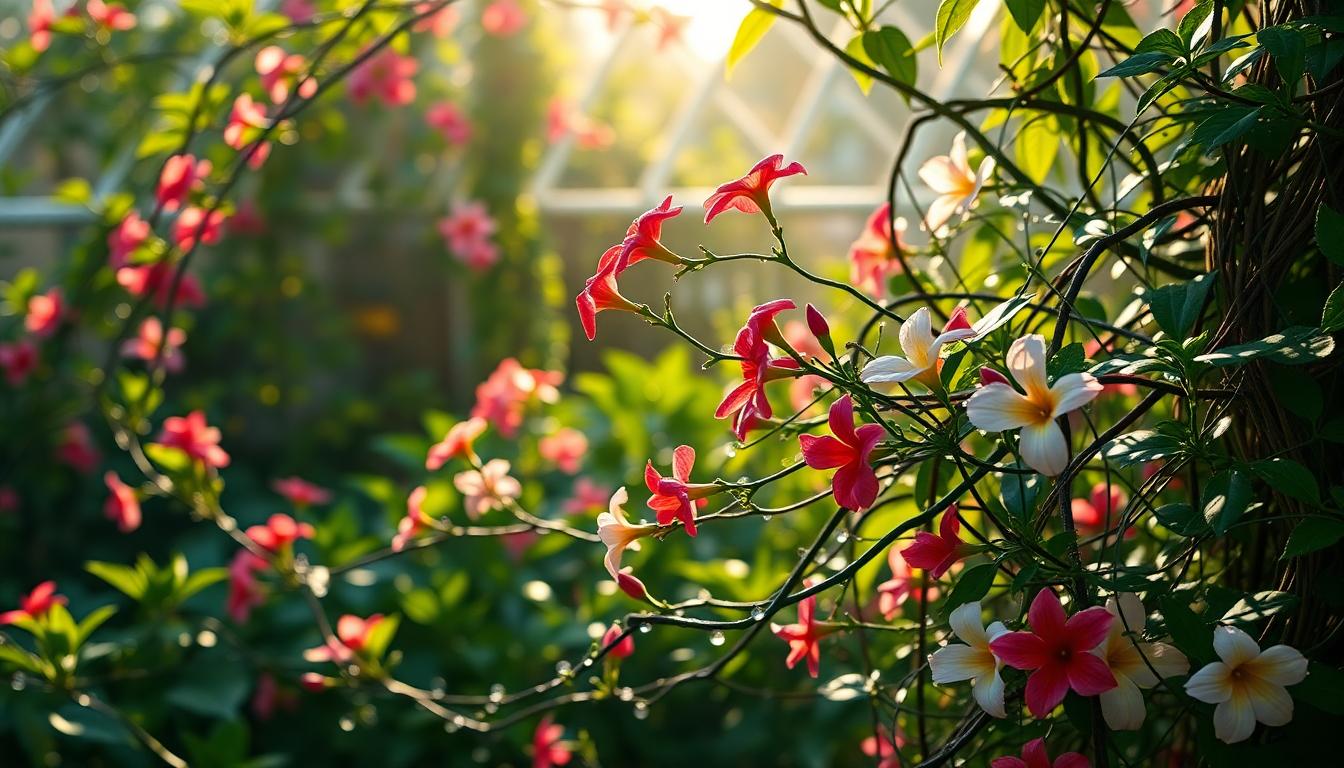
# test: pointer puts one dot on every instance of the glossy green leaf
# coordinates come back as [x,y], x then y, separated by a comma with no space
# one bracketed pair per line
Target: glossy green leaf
[951,17]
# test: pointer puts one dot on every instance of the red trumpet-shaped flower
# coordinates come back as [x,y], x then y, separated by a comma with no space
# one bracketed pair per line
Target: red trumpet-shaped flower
[122,506]
[672,496]
[751,193]
[803,637]
[279,533]
[300,492]
[642,238]
[194,437]
[936,553]
[352,633]
[548,746]
[1058,650]
[181,175]
[855,484]
[1035,756]
[600,292]
[621,649]
[747,403]
[457,443]
[35,604]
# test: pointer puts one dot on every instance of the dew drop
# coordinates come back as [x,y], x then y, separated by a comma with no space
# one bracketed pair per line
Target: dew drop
[766,518]
[842,537]
[563,667]
[645,628]
[346,724]
[497,693]
[641,710]
[729,451]
[757,613]
[717,638]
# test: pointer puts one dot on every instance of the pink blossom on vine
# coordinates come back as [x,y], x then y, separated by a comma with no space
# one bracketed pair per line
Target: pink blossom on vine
[586,497]
[268,697]
[872,258]
[35,604]
[622,649]
[76,449]
[451,123]
[386,76]
[565,448]
[938,552]
[245,590]
[280,72]
[903,585]
[279,533]
[1058,652]
[196,222]
[157,280]
[298,11]
[751,193]
[615,11]
[352,634]
[631,585]
[619,534]
[503,18]
[18,359]
[803,637]
[803,391]
[957,185]
[122,506]
[150,343]
[990,376]
[1136,665]
[676,497]
[548,746]
[748,402]
[801,339]
[301,493]
[502,398]
[40,19]
[600,293]
[181,175]
[314,682]
[1035,756]
[110,16]
[415,522]
[129,234]
[564,119]
[440,23]
[488,488]
[517,545]
[479,256]
[883,746]
[1101,509]
[642,239]
[194,437]
[466,225]
[671,26]
[998,407]
[457,443]
[247,119]
[45,312]
[854,485]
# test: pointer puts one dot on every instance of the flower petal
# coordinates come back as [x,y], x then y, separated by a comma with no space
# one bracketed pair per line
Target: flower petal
[1212,684]
[916,337]
[1021,650]
[1234,646]
[889,369]
[988,693]
[1044,448]
[824,452]
[1281,665]
[1046,689]
[997,407]
[1089,675]
[1086,629]
[1046,615]
[968,626]
[1026,361]
[956,662]
[1234,720]
[1272,704]
[1122,706]
[1073,391]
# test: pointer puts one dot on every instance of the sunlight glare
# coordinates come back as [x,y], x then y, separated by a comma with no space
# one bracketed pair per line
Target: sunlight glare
[713,24]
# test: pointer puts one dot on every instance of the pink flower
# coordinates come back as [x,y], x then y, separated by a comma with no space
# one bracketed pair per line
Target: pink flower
[672,496]
[40,19]
[631,585]
[279,533]
[1035,756]
[747,402]
[803,637]
[181,175]
[352,634]
[855,484]
[751,193]
[456,444]
[642,238]
[518,544]
[124,238]
[298,11]
[439,23]
[149,345]
[280,72]
[385,75]
[620,650]
[467,224]
[937,553]
[615,11]
[269,697]
[1102,508]
[480,256]
[1059,652]
[565,449]
[35,604]
[18,360]
[314,683]
[502,398]
[670,25]
[548,747]
[76,448]
[193,222]
[9,500]
[193,436]
[122,506]
[564,119]
[247,120]
[503,18]
[957,185]
[157,279]
[489,488]
[450,122]
[300,492]
[587,497]
[903,585]
[45,311]
[245,591]
[110,16]
[601,293]
[247,220]
[415,522]
[872,259]
[883,746]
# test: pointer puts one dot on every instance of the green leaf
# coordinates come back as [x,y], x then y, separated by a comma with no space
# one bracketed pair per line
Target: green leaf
[1330,233]
[1321,688]
[952,16]
[1188,630]
[1069,359]
[1312,534]
[1298,345]
[1141,446]
[123,578]
[381,636]
[1162,41]
[1224,126]
[1332,317]
[1037,146]
[171,460]
[1139,64]
[1189,28]
[74,191]
[199,580]
[92,622]
[210,686]
[855,49]
[1259,606]
[1180,518]
[749,33]
[891,49]
[1026,13]
[1177,307]
[1289,478]
[1226,498]
[1001,314]
[973,584]
[1288,46]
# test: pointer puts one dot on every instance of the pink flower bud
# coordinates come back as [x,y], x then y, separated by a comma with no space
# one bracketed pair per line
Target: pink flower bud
[990,376]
